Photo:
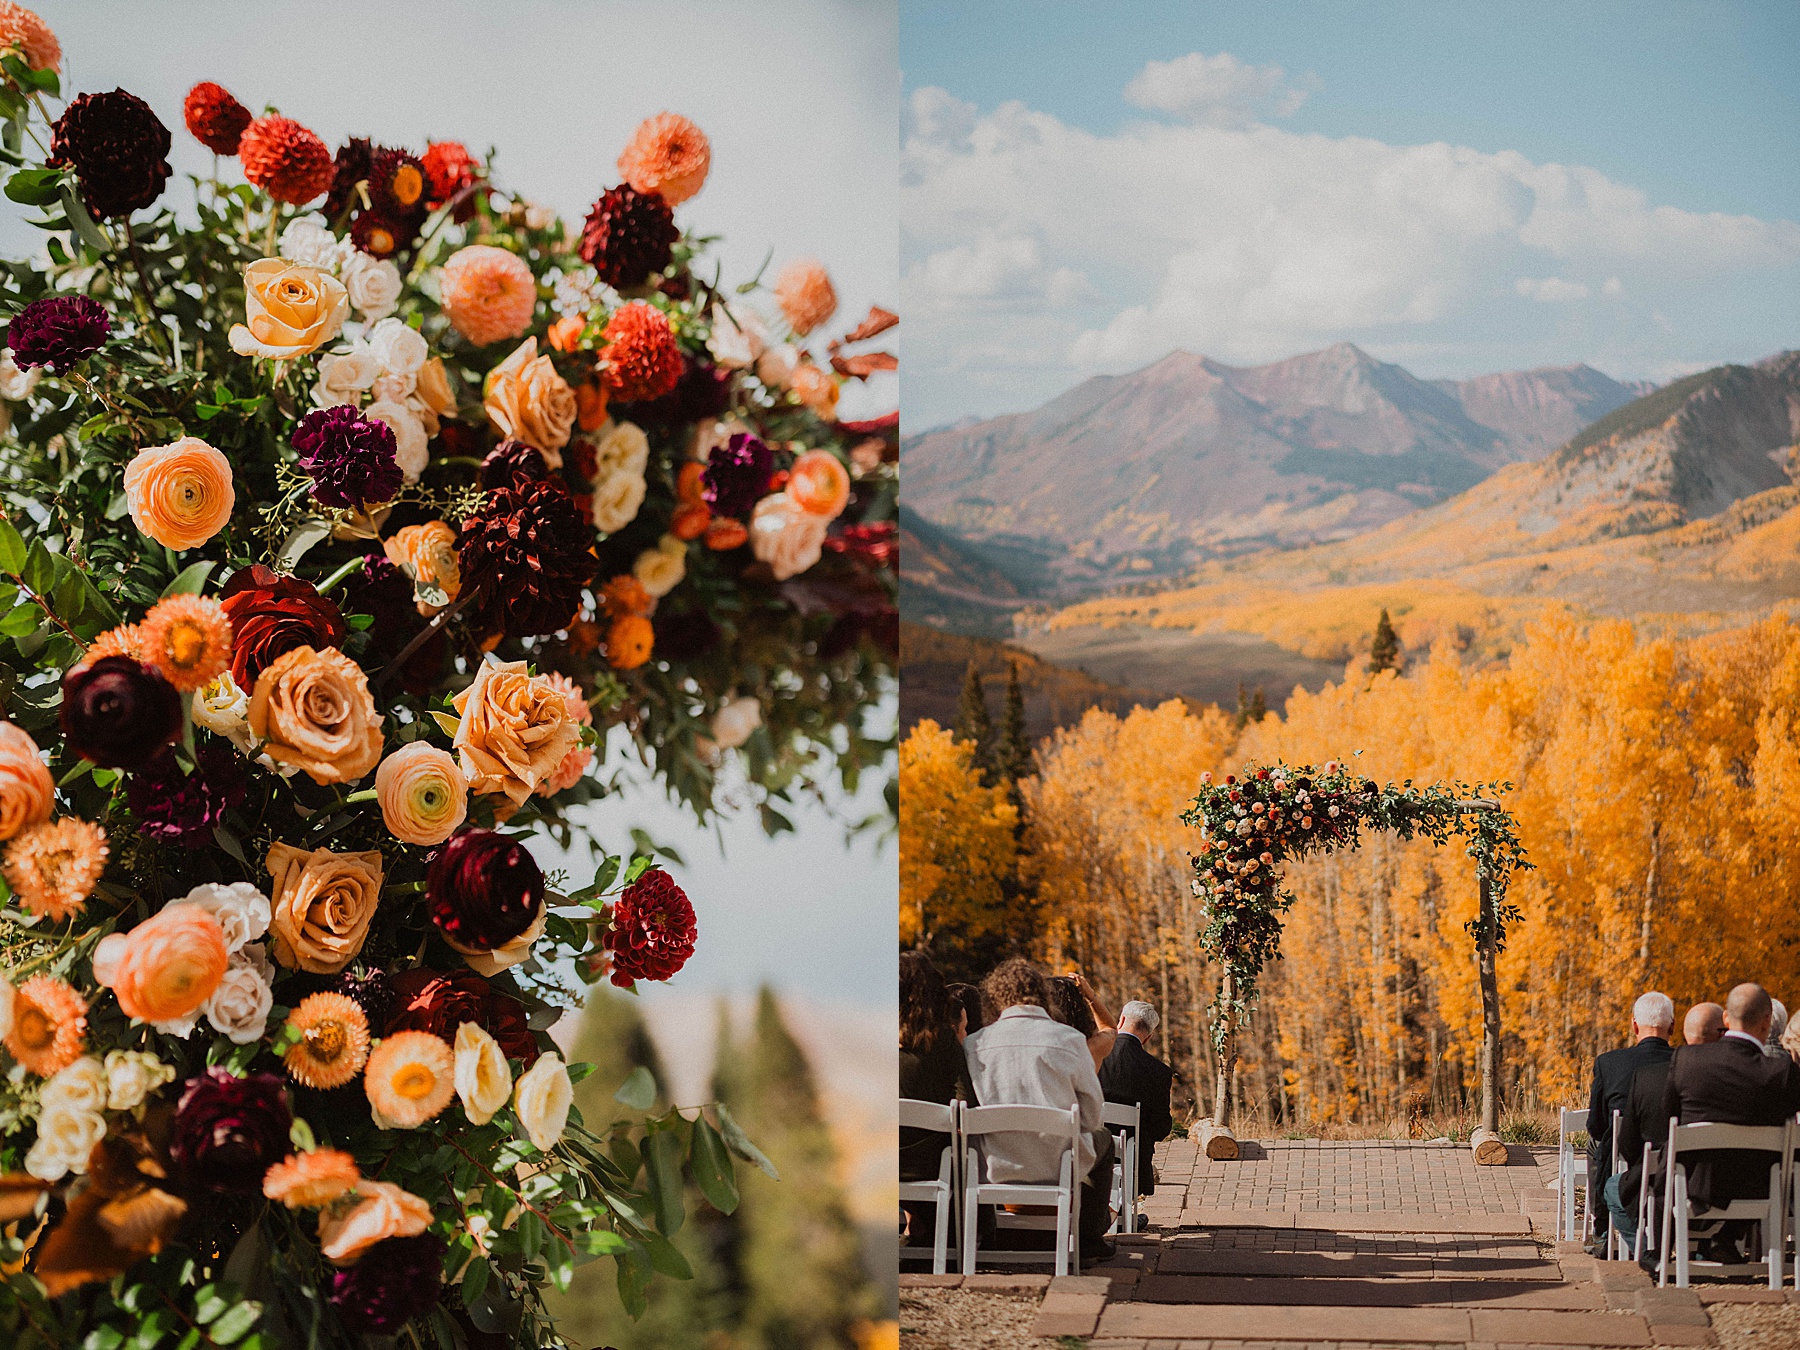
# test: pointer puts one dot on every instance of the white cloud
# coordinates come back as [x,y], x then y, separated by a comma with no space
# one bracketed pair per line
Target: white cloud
[1218,90]
[1552,290]
[995,270]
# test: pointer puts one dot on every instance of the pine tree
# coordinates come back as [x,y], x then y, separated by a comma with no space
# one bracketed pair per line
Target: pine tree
[1243,706]
[1259,707]
[972,721]
[1384,652]
[1015,747]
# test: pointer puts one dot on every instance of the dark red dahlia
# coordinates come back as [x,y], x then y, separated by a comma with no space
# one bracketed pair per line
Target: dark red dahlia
[216,119]
[397,183]
[639,357]
[628,236]
[394,1281]
[513,462]
[285,160]
[271,614]
[652,933]
[350,458]
[185,808]
[118,148]
[350,167]
[424,1000]
[526,556]
[230,1130]
[118,712]
[737,475]
[381,235]
[58,331]
[702,392]
[484,889]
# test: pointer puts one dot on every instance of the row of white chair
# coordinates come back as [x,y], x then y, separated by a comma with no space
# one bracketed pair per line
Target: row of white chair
[958,1185]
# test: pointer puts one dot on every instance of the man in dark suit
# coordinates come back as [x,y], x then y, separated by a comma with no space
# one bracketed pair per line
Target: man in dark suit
[1643,1122]
[1732,1082]
[1652,1019]
[1132,1076]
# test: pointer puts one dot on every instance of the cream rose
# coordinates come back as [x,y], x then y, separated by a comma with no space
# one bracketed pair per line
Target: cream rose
[79,1087]
[483,1077]
[527,400]
[290,309]
[490,963]
[313,710]
[131,1076]
[411,445]
[736,339]
[308,241]
[239,1007]
[734,723]
[224,708]
[15,384]
[323,902]
[621,447]
[65,1140]
[515,729]
[617,499]
[242,910]
[345,376]
[373,285]
[661,569]
[433,388]
[424,796]
[382,1211]
[398,346]
[787,538]
[542,1100]
[396,389]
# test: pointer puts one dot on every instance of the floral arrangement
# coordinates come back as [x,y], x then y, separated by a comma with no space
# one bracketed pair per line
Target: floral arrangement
[351,526]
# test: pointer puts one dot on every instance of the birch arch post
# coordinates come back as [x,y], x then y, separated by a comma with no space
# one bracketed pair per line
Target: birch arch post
[1254,821]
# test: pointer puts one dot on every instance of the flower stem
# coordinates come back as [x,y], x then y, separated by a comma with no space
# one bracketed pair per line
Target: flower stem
[343,574]
[366,795]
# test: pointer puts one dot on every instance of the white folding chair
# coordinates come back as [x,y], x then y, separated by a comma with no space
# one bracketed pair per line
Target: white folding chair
[940,1193]
[1678,1213]
[1571,1172]
[1064,1127]
[1123,1120]
[1615,1243]
[1646,1236]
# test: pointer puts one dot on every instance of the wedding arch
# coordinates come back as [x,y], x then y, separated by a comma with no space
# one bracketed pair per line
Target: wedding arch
[1255,820]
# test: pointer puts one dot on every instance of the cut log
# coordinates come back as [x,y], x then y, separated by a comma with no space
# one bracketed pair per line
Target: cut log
[1216,1141]
[1488,1149]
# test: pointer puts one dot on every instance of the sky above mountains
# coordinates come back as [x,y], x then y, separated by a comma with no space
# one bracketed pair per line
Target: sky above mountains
[1456,189]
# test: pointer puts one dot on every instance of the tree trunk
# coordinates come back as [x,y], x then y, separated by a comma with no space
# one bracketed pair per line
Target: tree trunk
[1221,1113]
[1490,1016]
[1644,925]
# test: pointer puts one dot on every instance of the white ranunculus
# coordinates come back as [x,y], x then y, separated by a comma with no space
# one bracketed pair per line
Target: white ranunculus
[131,1076]
[621,447]
[733,723]
[661,569]
[542,1100]
[66,1137]
[345,376]
[309,242]
[616,501]
[399,348]
[374,285]
[411,444]
[239,1007]
[483,1077]
[242,910]
[79,1087]
[16,384]
[737,338]
[224,708]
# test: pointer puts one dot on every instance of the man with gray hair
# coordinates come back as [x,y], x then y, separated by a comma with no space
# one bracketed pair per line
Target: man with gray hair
[1652,1021]
[1132,1076]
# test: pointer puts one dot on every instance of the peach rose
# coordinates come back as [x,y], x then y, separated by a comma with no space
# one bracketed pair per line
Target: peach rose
[423,794]
[382,1211]
[528,401]
[785,537]
[25,786]
[322,902]
[487,293]
[163,970]
[805,294]
[180,495]
[434,389]
[515,730]
[290,309]
[313,710]
[427,554]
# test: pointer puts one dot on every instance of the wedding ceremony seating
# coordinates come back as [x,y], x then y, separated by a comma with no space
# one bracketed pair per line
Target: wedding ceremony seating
[1123,1120]
[1571,1175]
[1058,1130]
[942,1192]
[1679,1213]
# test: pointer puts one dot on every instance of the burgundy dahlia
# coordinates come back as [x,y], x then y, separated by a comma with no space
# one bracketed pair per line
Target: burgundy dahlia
[118,712]
[511,463]
[737,475]
[216,119]
[424,1000]
[185,808]
[118,148]
[351,458]
[394,1281]
[58,331]
[526,556]
[652,932]
[349,167]
[271,614]
[484,888]
[230,1130]
[628,235]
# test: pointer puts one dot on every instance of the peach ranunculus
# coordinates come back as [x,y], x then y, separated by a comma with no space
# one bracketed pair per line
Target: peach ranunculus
[163,970]
[313,710]
[786,537]
[815,388]
[323,902]
[515,730]
[528,401]
[382,1211]
[180,494]
[427,554]
[290,309]
[805,294]
[25,787]
[423,794]
[487,293]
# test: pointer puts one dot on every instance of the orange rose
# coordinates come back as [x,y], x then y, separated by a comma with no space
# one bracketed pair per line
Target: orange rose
[25,786]
[382,1211]
[180,495]
[527,400]
[290,309]
[313,710]
[805,294]
[427,554]
[168,966]
[515,730]
[321,905]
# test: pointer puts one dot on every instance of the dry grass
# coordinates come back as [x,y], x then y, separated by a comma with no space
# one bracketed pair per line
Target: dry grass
[964,1319]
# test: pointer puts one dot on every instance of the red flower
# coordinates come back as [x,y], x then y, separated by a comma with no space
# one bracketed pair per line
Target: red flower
[271,614]
[652,934]
[423,1000]
[484,889]
[449,168]
[285,160]
[873,544]
[215,117]
[639,355]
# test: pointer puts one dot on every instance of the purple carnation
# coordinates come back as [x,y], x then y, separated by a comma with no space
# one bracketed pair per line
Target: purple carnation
[185,808]
[737,475]
[393,1282]
[58,331]
[230,1130]
[351,457]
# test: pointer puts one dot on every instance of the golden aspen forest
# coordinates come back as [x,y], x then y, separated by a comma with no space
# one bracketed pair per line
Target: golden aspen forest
[1656,789]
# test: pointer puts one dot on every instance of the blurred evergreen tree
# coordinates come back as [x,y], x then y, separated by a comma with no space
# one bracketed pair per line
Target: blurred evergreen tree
[973,723]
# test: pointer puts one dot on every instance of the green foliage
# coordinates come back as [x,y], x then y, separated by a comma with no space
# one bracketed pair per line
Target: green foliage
[1384,650]
[973,724]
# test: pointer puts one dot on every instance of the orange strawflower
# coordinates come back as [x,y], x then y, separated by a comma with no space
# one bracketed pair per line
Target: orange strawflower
[188,638]
[590,406]
[625,594]
[410,1078]
[565,333]
[49,1021]
[21,28]
[488,294]
[667,155]
[53,867]
[629,641]
[311,1180]
[333,1044]
[126,640]
[584,637]
[805,294]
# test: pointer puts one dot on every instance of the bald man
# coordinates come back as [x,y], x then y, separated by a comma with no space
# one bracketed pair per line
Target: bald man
[1641,1119]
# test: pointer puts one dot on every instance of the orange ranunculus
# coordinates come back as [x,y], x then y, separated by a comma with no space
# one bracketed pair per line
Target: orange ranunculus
[424,796]
[427,554]
[629,641]
[166,967]
[313,711]
[382,1211]
[590,406]
[322,903]
[290,309]
[180,495]
[668,155]
[805,294]
[25,787]
[565,334]
[819,484]
[488,294]
[527,400]
[690,520]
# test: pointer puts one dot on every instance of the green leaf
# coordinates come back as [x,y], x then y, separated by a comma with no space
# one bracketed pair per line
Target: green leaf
[12,549]
[34,187]
[639,866]
[235,1324]
[663,1173]
[667,1259]
[301,1136]
[39,571]
[23,619]
[475,1280]
[191,580]
[360,621]
[82,223]
[710,1162]
[638,1091]
[739,1142]
[446,723]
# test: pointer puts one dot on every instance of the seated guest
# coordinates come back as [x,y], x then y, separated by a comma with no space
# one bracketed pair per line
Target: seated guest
[1074,1004]
[1642,1121]
[1652,1019]
[966,998]
[932,1067]
[1778,1023]
[1731,1082]
[1027,1058]
[1133,1076]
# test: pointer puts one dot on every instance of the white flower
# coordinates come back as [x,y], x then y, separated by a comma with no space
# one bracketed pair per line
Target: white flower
[662,568]
[224,708]
[776,366]
[733,723]
[788,539]
[131,1076]
[399,348]
[374,285]
[621,448]
[239,1007]
[483,1078]
[737,339]
[577,291]
[16,384]
[343,376]
[79,1087]
[66,1137]
[396,389]
[242,910]
[307,241]
[616,501]
[542,1100]
[410,440]
[539,217]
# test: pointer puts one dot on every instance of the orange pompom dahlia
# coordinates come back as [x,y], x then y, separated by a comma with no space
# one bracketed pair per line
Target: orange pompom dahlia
[22,28]
[48,1023]
[285,160]
[53,867]
[629,641]
[667,155]
[639,356]
[311,1180]
[187,638]
[411,1077]
[333,1044]
[488,294]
